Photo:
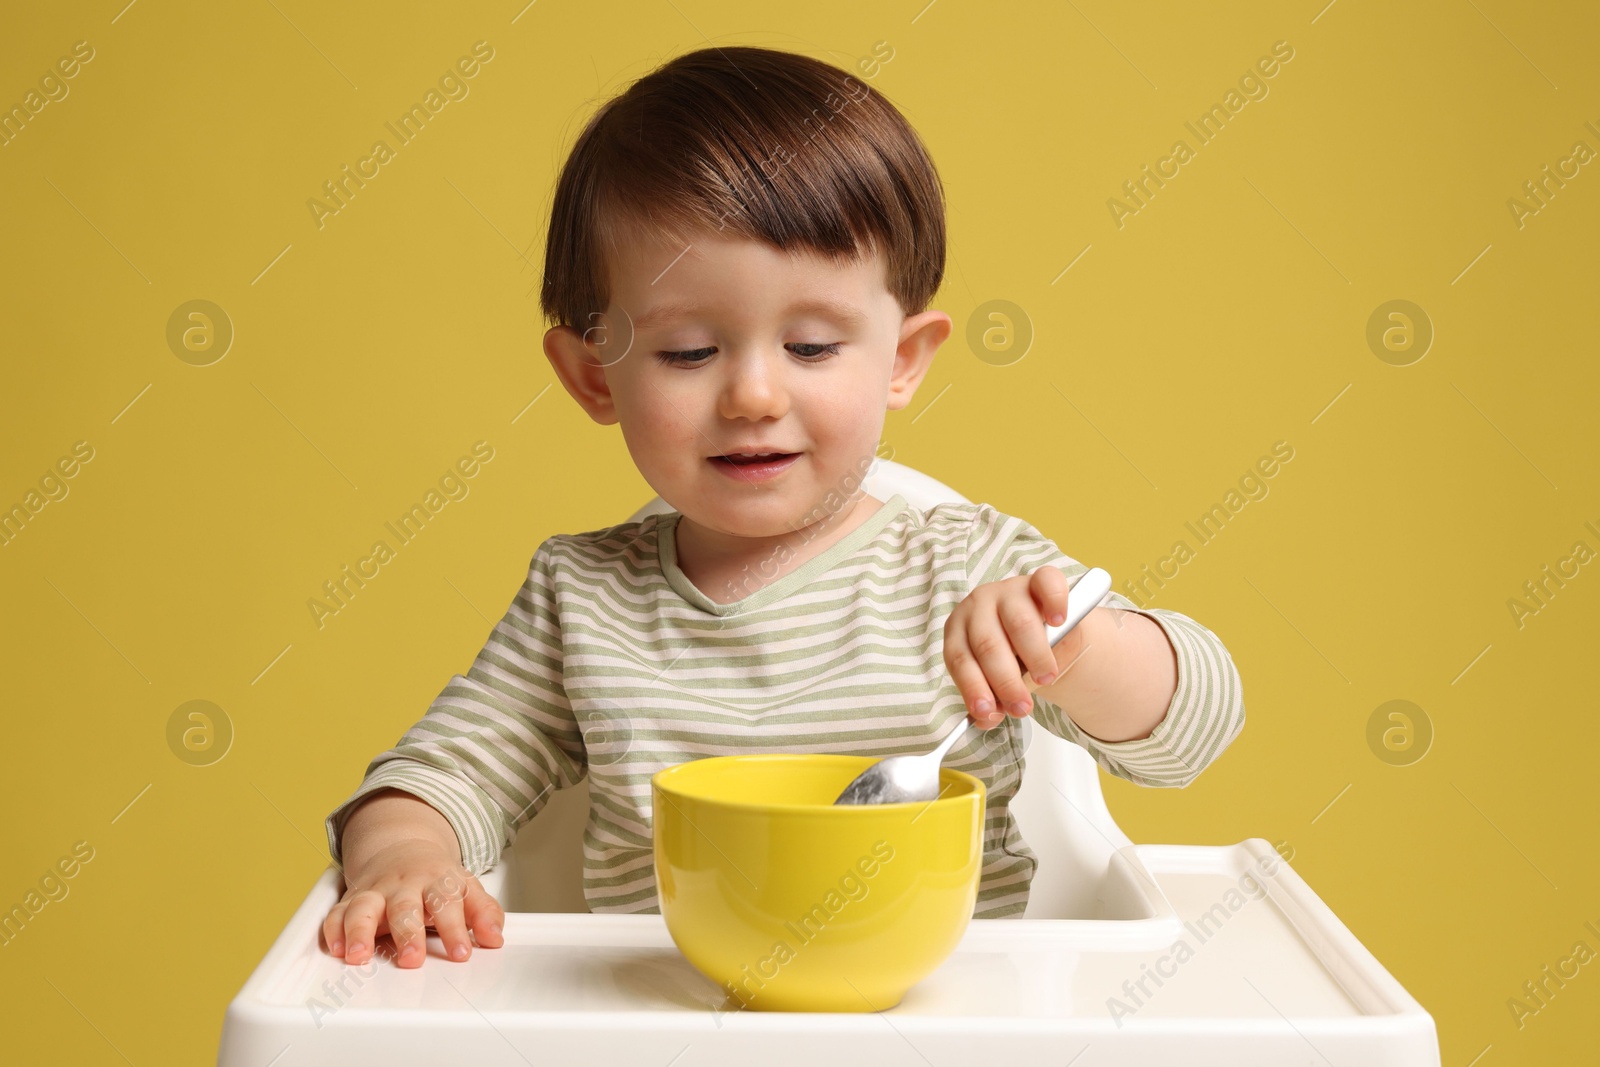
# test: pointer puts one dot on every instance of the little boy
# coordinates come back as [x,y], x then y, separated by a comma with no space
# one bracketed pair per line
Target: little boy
[741,253]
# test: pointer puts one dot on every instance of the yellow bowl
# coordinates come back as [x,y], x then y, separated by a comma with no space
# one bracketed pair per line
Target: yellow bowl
[793,904]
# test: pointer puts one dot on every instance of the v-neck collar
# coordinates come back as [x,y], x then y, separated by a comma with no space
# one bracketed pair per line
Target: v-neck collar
[667,555]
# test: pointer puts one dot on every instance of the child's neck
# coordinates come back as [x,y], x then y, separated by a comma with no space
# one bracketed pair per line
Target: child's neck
[727,568]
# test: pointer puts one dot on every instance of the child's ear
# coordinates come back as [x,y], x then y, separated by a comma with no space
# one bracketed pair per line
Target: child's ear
[920,337]
[580,372]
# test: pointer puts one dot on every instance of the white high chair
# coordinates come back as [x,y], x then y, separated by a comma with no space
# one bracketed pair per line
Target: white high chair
[1152,954]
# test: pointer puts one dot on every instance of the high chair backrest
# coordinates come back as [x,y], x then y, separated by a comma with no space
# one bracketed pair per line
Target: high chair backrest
[1059,807]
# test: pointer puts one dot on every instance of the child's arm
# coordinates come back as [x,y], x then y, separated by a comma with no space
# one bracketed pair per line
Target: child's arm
[1151,694]
[439,807]
[402,870]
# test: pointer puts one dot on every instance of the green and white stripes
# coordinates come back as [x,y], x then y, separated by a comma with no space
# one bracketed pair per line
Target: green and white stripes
[610,663]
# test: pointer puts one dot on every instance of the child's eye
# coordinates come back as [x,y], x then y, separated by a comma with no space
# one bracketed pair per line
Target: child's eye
[684,357]
[821,350]
[697,355]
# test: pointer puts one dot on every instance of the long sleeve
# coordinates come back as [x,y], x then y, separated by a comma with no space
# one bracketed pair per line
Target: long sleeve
[497,741]
[1207,710]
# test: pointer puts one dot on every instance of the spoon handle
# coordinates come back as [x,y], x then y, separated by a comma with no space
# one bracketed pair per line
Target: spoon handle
[1082,598]
[951,738]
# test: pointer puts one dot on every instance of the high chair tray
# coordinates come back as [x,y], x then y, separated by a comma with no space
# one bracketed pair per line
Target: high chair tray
[1258,972]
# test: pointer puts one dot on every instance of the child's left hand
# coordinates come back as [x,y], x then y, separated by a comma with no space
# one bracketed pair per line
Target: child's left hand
[997,632]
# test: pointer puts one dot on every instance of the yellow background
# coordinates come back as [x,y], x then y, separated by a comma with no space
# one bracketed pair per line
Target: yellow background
[1230,313]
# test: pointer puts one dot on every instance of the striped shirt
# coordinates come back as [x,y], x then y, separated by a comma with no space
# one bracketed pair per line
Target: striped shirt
[611,663]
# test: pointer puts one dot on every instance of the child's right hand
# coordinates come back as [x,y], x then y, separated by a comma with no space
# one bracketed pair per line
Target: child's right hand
[402,885]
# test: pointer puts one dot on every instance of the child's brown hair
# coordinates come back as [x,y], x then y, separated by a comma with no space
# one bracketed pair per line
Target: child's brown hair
[757,143]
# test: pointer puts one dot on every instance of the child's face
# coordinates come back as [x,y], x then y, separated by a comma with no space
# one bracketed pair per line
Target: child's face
[755,373]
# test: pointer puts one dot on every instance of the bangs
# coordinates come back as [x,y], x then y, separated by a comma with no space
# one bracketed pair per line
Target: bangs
[748,143]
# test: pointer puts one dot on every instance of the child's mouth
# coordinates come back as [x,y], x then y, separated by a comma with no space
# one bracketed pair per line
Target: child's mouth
[755,467]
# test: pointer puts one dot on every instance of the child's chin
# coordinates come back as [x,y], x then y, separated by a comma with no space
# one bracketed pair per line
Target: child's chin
[773,513]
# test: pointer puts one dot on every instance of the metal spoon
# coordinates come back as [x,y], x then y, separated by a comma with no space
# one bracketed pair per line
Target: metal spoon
[903,779]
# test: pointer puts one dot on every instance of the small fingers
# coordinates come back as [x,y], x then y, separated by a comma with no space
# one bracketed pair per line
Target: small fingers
[362,914]
[406,925]
[485,915]
[1021,636]
[444,901]
[1026,632]
[1049,588]
[991,648]
[966,672]
[333,929]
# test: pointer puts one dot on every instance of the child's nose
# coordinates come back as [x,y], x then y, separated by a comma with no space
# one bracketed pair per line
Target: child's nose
[754,387]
